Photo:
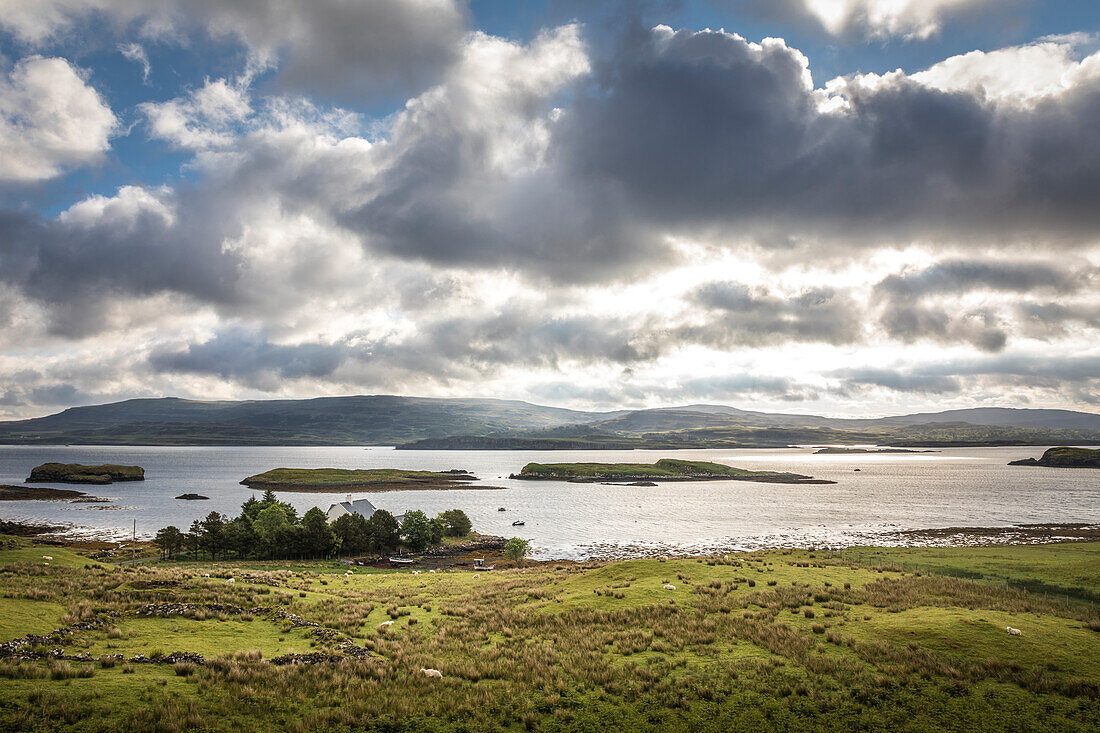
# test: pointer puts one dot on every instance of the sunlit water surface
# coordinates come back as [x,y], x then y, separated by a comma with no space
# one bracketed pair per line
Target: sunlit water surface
[957,487]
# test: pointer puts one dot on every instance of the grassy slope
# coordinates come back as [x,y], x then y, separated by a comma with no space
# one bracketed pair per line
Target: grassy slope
[664,468]
[580,647]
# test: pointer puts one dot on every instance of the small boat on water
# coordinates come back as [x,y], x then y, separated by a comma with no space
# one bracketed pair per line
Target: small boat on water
[402,560]
[501,509]
[517,523]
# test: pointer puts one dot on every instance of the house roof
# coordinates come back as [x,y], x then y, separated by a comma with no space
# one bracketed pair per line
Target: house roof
[359,506]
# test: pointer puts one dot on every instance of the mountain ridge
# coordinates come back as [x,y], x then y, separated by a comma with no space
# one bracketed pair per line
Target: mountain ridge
[397,419]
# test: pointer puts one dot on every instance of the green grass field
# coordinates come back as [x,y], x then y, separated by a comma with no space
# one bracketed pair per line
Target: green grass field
[868,639]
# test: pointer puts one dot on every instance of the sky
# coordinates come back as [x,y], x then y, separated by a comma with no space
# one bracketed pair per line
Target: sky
[841,207]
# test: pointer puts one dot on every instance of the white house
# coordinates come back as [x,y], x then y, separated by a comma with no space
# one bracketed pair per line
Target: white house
[359,506]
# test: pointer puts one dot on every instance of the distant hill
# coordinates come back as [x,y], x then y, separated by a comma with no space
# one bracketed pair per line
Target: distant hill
[510,424]
[361,420]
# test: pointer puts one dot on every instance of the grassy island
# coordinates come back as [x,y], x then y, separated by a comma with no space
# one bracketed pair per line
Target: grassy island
[334,480]
[1064,457]
[796,640]
[666,469]
[77,473]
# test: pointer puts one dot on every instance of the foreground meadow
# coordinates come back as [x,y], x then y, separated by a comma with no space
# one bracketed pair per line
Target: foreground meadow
[869,639]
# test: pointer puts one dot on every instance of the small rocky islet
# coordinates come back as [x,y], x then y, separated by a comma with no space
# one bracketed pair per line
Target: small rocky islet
[78,473]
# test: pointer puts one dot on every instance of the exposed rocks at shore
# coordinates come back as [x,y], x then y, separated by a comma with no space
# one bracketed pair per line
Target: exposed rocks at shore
[77,473]
[1063,457]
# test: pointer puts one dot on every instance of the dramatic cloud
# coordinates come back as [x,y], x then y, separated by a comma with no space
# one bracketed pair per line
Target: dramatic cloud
[50,119]
[671,216]
[908,316]
[331,47]
[706,129]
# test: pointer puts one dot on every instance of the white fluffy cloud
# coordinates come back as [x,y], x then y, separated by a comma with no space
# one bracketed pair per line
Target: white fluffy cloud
[879,19]
[50,119]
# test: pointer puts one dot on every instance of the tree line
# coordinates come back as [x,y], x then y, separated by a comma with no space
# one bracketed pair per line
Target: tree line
[271,529]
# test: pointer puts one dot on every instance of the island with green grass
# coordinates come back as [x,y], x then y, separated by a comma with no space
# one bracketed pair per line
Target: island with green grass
[78,473]
[666,469]
[336,480]
[1063,457]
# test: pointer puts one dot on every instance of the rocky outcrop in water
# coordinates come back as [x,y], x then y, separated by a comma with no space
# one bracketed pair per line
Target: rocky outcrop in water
[77,473]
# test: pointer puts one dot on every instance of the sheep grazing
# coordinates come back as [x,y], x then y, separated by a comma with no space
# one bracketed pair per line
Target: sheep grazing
[669,586]
[47,557]
[434,673]
[1012,631]
[206,575]
[384,624]
[231,581]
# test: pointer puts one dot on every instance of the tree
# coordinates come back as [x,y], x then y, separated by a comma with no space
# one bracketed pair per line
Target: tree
[438,530]
[170,540]
[416,528]
[353,532]
[212,534]
[456,522]
[239,537]
[384,532]
[271,527]
[193,539]
[318,539]
[252,508]
[516,550]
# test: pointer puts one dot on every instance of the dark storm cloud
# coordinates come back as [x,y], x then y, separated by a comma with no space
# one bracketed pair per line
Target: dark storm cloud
[910,311]
[1012,277]
[738,314]
[77,267]
[704,129]
[980,328]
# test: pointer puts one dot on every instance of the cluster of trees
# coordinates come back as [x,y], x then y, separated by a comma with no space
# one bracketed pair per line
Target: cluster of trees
[269,528]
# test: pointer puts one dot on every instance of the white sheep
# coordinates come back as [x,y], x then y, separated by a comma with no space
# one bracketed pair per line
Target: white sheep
[1012,631]
[231,581]
[435,673]
[432,572]
[416,572]
[206,575]
[47,557]
[384,624]
[669,586]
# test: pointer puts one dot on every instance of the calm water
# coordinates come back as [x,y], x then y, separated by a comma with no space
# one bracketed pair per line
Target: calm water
[955,487]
